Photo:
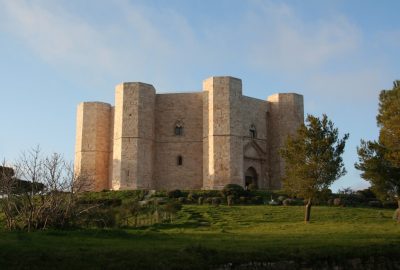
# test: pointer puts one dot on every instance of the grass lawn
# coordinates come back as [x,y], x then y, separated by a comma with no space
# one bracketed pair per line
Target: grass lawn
[204,236]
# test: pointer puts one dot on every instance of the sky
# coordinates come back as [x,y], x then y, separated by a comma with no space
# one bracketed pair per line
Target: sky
[54,54]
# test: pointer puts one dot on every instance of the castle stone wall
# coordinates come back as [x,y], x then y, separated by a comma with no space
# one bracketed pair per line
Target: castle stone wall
[92,147]
[134,146]
[254,112]
[186,109]
[286,115]
[224,143]
[133,152]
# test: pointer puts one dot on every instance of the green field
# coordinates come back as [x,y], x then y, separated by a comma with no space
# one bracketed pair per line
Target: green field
[205,236]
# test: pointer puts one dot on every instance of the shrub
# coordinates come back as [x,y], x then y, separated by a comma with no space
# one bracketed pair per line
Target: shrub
[182,199]
[257,200]
[200,200]
[230,200]
[330,202]
[172,208]
[366,193]
[192,197]
[208,200]
[160,200]
[99,218]
[252,187]
[281,198]
[216,201]
[337,202]
[375,204]
[287,202]
[103,202]
[232,189]
[390,205]
[176,193]
[242,199]
[160,193]
[206,193]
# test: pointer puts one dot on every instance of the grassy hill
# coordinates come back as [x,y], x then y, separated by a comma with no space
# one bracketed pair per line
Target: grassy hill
[205,236]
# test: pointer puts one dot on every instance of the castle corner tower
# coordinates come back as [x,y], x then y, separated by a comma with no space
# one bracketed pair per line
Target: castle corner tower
[222,141]
[133,151]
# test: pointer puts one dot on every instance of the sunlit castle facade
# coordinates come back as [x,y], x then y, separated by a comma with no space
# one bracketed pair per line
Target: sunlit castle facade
[200,140]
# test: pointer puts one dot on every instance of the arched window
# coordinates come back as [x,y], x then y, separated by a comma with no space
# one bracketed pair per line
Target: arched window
[179,160]
[178,128]
[253,131]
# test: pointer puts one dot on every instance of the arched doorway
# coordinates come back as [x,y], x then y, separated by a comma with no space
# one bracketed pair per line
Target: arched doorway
[250,178]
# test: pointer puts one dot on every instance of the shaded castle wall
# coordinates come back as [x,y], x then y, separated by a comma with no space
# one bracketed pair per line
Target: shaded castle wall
[92,147]
[286,114]
[133,152]
[254,111]
[223,143]
[111,147]
[187,109]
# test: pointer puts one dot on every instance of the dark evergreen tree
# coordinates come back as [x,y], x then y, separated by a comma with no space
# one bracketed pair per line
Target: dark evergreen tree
[313,159]
[379,160]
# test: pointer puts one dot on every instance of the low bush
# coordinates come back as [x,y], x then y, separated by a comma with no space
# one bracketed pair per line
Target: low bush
[230,200]
[243,200]
[176,193]
[252,187]
[98,218]
[290,202]
[236,191]
[338,202]
[216,201]
[102,202]
[192,197]
[390,205]
[286,202]
[375,204]
[195,194]
[281,198]
[208,200]
[257,200]
[200,200]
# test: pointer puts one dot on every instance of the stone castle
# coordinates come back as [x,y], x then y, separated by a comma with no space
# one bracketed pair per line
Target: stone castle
[200,140]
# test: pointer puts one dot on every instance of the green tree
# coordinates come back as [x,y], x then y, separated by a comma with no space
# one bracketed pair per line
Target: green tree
[313,159]
[379,160]
[388,120]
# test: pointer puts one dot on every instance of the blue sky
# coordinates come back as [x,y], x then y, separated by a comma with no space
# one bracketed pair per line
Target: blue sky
[55,54]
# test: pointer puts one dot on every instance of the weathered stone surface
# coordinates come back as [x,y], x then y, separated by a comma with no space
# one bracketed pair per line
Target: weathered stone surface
[92,147]
[223,137]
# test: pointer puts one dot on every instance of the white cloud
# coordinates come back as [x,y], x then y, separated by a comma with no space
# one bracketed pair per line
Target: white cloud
[155,45]
[58,37]
[284,42]
[132,46]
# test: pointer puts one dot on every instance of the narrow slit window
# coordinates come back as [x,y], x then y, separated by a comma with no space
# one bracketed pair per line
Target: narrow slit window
[253,132]
[180,160]
[178,129]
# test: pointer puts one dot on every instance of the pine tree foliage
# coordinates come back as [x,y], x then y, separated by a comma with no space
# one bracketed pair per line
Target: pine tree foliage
[379,160]
[389,121]
[313,158]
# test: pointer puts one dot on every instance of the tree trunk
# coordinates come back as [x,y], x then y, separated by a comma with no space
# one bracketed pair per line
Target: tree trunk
[308,211]
[397,213]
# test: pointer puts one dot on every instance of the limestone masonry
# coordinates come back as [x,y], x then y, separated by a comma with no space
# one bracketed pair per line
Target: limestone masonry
[201,140]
